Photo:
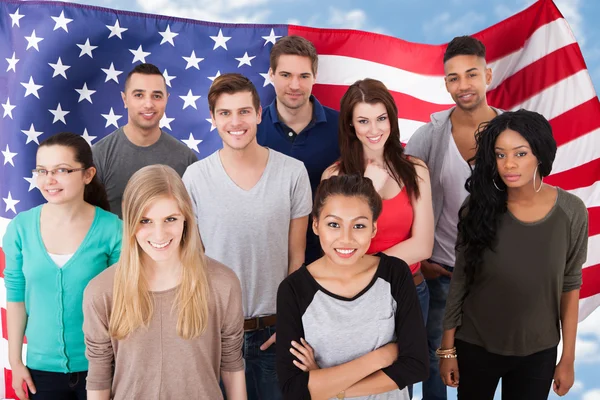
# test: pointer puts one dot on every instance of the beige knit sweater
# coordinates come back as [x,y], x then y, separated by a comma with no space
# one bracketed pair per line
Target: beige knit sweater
[154,362]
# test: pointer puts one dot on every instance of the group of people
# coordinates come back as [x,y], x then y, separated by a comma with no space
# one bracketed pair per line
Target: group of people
[312,257]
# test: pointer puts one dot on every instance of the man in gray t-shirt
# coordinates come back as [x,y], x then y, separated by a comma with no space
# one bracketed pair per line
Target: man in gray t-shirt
[252,205]
[141,142]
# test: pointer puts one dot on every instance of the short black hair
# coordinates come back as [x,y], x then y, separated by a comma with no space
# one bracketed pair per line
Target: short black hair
[145,69]
[464,46]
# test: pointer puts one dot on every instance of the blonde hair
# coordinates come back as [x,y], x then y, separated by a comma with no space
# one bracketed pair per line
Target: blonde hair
[132,302]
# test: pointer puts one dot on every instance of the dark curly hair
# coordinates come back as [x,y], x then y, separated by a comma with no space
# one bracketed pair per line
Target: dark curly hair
[481,213]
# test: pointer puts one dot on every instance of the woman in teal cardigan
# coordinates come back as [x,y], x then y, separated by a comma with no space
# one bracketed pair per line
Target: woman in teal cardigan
[52,252]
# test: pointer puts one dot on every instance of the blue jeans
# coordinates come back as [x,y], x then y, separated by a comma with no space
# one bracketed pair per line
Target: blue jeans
[423,295]
[261,374]
[433,387]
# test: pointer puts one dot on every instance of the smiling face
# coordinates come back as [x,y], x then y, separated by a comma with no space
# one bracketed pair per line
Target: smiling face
[372,125]
[160,230]
[466,80]
[514,159]
[293,80]
[145,98]
[345,228]
[66,187]
[236,120]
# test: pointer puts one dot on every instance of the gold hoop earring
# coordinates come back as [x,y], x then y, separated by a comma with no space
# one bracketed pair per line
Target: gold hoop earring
[541,180]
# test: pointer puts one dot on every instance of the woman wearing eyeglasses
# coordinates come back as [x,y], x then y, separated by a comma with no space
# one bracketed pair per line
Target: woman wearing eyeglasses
[52,252]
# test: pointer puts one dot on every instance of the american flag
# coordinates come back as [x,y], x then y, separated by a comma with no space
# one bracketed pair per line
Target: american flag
[62,66]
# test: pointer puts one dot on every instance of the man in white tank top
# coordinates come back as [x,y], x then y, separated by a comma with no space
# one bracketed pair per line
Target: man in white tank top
[445,144]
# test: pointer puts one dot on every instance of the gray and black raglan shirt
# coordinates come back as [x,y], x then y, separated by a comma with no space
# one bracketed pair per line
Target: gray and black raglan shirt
[342,329]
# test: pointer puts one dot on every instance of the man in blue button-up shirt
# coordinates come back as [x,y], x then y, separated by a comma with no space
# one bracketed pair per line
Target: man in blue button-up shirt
[295,123]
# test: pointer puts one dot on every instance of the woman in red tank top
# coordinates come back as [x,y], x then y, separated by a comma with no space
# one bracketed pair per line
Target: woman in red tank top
[369,139]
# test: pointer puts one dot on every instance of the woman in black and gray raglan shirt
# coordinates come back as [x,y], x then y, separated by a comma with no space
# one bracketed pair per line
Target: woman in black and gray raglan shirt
[349,324]
[521,246]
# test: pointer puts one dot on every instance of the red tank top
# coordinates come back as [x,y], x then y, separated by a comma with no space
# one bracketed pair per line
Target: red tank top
[394,225]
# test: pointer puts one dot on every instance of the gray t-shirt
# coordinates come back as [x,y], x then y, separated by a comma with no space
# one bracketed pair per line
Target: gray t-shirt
[248,230]
[116,159]
[512,307]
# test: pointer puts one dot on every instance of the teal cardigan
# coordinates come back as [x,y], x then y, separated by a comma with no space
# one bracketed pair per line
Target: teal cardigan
[53,296]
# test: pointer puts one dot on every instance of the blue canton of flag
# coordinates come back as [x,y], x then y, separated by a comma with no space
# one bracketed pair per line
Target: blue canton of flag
[64,66]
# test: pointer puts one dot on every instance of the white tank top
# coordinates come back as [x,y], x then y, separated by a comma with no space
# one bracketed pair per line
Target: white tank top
[455,172]
[60,259]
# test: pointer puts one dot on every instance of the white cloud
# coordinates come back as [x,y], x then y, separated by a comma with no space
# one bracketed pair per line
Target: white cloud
[577,387]
[591,325]
[353,19]
[235,11]
[592,395]
[449,26]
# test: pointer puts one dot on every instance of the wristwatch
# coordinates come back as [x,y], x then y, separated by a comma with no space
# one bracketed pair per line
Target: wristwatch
[341,395]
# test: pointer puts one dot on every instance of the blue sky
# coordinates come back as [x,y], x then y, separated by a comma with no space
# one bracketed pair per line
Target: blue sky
[425,21]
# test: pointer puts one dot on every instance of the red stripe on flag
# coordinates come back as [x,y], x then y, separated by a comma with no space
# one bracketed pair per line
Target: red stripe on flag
[539,75]
[581,176]
[422,58]
[2,262]
[4,325]
[594,221]
[591,281]
[408,106]
[576,122]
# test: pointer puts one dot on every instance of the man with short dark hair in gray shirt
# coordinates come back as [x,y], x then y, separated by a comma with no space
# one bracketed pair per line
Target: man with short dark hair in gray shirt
[141,142]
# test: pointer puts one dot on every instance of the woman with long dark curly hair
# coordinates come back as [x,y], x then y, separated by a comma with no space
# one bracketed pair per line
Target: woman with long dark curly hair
[520,250]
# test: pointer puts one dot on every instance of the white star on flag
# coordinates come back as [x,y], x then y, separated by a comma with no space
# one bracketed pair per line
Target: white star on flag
[32,135]
[271,38]
[32,183]
[59,114]
[33,41]
[112,73]
[31,88]
[8,108]
[8,156]
[168,36]
[189,100]
[16,18]
[61,22]
[87,137]
[165,122]
[116,30]
[12,63]
[10,203]
[139,55]
[192,143]
[168,78]
[220,40]
[245,60]
[86,48]
[85,93]
[212,78]
[111,118]
[267,79]
[192,61]
[212,127]
[59,68]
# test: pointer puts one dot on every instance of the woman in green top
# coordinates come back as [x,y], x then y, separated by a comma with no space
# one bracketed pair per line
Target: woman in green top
[520,249]
[52,252]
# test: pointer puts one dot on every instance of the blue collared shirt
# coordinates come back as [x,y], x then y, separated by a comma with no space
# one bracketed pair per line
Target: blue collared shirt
[316,146]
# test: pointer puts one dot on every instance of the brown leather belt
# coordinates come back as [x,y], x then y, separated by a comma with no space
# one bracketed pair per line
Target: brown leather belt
[418,278]
[257,323]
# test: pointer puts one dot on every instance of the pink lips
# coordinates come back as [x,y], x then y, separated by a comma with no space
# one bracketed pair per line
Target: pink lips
[512,178]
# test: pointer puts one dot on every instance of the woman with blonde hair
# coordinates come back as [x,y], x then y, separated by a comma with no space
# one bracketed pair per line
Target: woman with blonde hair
[168,317]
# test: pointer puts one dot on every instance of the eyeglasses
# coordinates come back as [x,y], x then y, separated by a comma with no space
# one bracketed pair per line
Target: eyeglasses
[56,171]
